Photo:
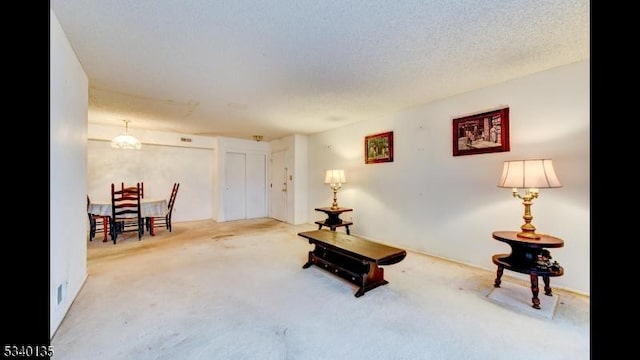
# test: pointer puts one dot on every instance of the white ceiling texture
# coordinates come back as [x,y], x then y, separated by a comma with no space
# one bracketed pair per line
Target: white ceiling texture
[238,68]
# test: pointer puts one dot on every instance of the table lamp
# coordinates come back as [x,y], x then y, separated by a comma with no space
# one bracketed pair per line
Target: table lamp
[335,179]
[530,175]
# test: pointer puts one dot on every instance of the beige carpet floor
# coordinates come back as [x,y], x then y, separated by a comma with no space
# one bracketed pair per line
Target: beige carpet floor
[518,298]
[237,290]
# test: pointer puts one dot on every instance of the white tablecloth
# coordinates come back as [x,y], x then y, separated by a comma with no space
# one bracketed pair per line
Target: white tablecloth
[148,207]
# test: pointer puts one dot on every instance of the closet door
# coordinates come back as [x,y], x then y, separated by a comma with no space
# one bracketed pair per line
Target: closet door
[235,194]
[245,194]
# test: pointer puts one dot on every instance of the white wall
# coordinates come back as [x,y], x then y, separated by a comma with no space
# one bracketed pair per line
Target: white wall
[433,202]
[162,161]
[158,167]
[152,137]
[197,165]
[69,89]
[301,179]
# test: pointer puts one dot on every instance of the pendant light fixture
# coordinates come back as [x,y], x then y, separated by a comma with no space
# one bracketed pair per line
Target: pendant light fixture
[126,141]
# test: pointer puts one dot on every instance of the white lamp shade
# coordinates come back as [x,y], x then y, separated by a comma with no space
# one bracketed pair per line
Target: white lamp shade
[526,174]
[334,177]
[126,141]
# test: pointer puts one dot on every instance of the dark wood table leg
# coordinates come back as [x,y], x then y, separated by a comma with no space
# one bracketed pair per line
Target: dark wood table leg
[319,226]
[309,261]
[372,279]
[547,285]
[535,291]
[498,276]
[347,227]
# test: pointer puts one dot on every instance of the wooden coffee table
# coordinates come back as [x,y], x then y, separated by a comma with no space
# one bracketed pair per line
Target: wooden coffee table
[355,259]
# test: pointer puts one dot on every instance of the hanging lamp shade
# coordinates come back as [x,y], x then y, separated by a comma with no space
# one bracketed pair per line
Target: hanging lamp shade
[126,141]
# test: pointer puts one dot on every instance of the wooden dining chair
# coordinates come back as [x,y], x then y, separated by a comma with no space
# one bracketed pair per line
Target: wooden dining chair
[165,220]
[97,223]
[125,212]
[132,187]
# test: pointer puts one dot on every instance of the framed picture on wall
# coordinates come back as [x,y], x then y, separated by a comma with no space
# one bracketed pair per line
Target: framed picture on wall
[378,148]
[482,133]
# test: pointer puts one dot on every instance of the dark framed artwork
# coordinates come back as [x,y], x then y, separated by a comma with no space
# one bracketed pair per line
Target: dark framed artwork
[378,148]
[487,132]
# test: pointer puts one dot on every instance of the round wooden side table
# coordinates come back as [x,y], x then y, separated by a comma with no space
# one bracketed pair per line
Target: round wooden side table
[525,258]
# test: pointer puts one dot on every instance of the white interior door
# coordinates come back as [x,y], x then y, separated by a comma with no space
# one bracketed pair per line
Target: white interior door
[278,187]
[235,195]
[256,170]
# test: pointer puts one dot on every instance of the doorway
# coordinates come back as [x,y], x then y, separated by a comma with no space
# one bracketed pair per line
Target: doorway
[278,187]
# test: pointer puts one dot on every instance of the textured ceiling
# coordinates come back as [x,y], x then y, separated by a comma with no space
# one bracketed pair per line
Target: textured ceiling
[278,67]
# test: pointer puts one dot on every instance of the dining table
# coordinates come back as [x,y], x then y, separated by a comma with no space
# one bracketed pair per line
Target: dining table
[149,208]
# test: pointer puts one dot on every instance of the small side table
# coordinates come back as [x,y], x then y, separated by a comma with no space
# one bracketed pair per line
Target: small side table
[333,218]
[524,253]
